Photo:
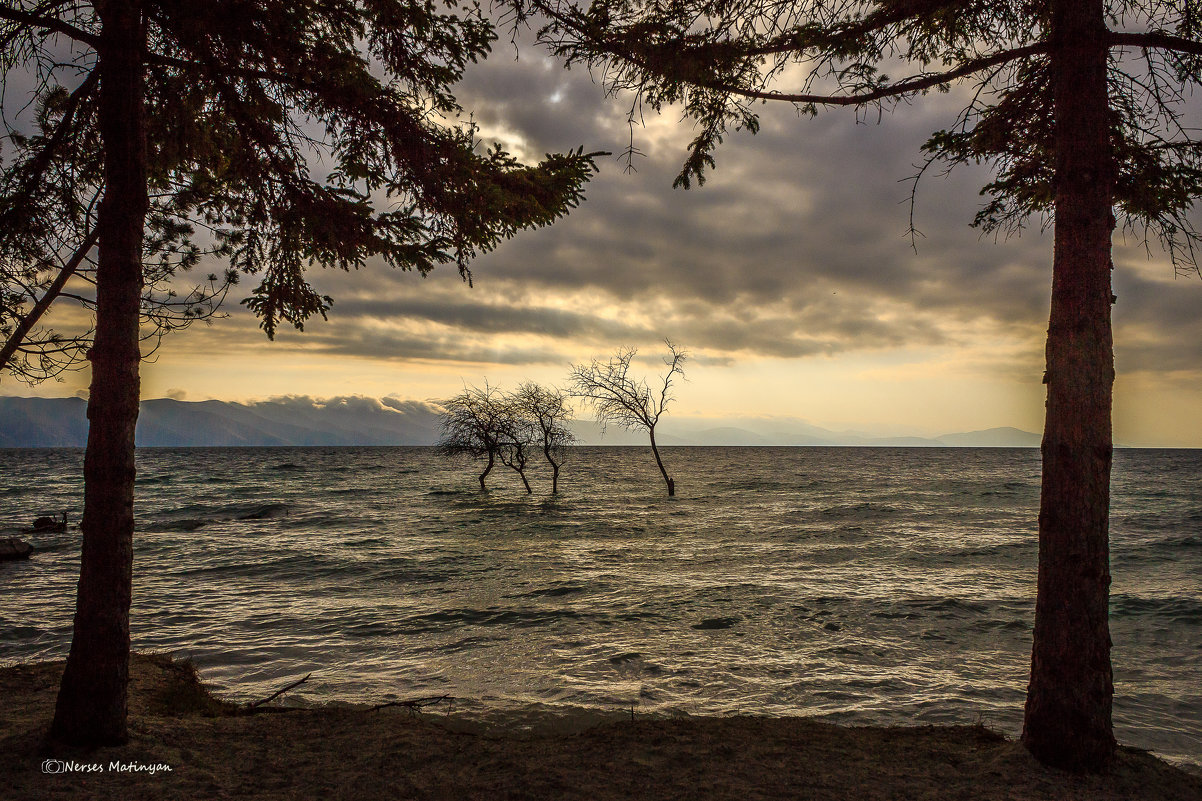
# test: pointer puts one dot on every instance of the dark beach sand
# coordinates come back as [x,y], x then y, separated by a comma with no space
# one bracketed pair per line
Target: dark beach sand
[338,753]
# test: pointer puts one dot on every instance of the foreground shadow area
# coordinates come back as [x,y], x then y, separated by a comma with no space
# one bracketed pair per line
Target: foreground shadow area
[186,743]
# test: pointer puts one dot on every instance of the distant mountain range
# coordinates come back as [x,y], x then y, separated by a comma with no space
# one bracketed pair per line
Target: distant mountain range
[62,422]
[789,435]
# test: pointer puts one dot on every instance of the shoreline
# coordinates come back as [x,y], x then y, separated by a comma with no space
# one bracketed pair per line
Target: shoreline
[187,743]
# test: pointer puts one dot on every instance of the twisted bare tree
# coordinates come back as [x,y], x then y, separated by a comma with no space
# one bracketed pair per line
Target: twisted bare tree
[618,398]
[517,439]
[473,425]
[493,426]
[549,413]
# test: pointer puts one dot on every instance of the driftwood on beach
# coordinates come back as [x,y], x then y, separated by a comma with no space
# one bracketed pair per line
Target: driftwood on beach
[413,704]
[257,706]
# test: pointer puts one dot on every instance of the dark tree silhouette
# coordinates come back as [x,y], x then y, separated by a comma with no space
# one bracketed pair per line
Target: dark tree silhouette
[208,115]
[548,411]
[34,283]
[33,353]
[619,398]
[52,188]
[517,437]
[507,427]
[473,426]
[1078,104]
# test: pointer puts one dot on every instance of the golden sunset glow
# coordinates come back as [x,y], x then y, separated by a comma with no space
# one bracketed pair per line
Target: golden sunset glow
[789,277]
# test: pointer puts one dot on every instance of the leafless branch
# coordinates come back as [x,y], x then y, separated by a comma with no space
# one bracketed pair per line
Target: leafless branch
[278,693]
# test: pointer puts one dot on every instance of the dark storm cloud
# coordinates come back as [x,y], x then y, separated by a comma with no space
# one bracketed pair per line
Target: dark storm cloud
[354,339]
[797,245]
[1158,321]
[462,312]
[804,205]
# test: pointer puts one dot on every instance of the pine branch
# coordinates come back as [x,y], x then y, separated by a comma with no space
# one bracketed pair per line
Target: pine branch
[41,162]
[804,38]
[50,24]
[1155,40]
[898,89]
[52,293]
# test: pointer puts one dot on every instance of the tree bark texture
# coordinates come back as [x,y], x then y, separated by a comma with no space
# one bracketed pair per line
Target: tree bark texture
[1068,711]
[671,484]
[91,707]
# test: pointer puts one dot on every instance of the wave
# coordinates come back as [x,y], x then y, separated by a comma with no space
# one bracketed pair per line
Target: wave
[854,508]
[450,619]
[1179,608]
[553,592]
[13,632]
[186,524]
[714,623]
[398,573]
[264,512]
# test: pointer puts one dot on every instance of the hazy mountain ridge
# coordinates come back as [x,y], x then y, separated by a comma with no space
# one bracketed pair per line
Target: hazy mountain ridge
[1002,437]
[298,420]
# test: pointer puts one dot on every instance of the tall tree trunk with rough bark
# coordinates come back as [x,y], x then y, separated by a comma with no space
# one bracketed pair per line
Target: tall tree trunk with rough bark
[91,707]
[1068,711]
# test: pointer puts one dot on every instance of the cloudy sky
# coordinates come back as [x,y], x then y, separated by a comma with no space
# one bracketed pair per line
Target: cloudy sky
[789,277]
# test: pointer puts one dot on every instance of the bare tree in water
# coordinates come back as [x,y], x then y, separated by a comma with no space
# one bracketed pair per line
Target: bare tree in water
[495,426]
[547,409]
[516,434]
[472,427]
[620,399]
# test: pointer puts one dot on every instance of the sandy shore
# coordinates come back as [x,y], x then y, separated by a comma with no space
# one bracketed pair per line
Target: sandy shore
[358,754]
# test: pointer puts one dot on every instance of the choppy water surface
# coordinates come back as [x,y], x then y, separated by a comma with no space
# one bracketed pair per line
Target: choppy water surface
[867,585]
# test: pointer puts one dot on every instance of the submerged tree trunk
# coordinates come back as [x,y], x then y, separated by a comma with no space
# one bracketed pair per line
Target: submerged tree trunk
[1068,711]
[91,704]
[487,470]
[554,475]
[671,484]
[516,461]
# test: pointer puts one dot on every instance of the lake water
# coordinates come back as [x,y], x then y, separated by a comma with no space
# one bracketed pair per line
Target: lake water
[862,585]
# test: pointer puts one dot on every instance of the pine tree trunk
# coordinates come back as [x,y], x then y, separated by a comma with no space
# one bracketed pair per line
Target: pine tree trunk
[1068,711]
[91,705]
[671,484]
